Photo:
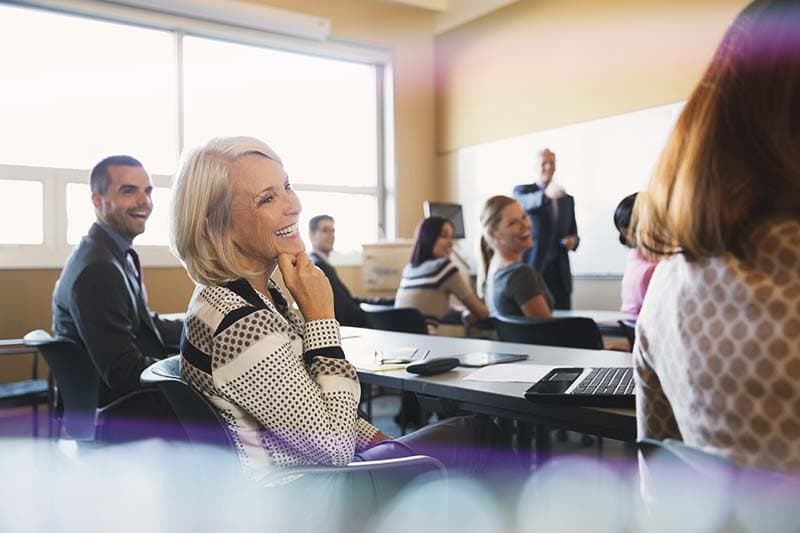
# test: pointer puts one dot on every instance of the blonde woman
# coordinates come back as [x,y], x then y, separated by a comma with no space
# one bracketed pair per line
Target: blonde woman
[718,337]
[511,286]
[281,380]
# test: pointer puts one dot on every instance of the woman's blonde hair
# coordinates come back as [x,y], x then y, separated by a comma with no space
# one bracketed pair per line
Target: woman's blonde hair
[200,228]
[733,158]
[491,214]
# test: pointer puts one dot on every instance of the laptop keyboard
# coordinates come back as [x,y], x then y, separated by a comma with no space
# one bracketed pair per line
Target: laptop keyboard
[607,381]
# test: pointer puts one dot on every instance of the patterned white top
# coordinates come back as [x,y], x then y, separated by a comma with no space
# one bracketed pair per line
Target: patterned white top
[718,353]
[284,387]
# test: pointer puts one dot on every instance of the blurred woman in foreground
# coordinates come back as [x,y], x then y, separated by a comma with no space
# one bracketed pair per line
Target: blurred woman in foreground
[718,338]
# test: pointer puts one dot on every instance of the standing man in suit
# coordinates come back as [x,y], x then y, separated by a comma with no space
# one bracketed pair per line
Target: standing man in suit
[100,300]
[555,233]
[322,235]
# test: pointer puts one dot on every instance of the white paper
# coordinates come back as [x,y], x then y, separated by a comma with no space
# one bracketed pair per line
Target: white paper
[367,357]
[511,372]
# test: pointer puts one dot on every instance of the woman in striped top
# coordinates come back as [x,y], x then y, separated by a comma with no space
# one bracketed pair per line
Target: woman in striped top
[431,277]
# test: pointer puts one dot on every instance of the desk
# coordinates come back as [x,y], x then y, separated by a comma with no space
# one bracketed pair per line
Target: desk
[607,321]
[506,400]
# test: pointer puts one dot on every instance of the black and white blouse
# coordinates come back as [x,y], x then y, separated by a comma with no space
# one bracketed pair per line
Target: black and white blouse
[284,387]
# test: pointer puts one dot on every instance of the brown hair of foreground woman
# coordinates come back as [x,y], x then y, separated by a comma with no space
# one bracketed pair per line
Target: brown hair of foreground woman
[733,158]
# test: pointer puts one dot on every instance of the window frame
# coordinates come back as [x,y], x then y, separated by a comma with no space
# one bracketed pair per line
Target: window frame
[54,250]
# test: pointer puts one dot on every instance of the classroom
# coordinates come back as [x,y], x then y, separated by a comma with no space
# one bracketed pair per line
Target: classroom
[378,114]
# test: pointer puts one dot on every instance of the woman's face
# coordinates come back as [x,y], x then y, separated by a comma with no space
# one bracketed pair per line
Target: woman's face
[264,211]
[443,246]
[513,231]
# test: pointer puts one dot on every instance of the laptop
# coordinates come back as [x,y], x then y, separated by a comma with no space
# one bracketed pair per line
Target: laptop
[594,387]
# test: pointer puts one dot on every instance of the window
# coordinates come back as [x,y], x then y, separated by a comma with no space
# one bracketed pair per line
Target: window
[79,89]
[308,109]
[352,213]
[76,90]
[21,219]
[598,162]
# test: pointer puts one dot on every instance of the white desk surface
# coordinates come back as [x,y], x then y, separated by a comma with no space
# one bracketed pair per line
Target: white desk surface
[503,396]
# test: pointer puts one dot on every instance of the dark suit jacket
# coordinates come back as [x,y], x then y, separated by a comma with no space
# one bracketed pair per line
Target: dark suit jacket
[346,308]
[97,303]
[547,231]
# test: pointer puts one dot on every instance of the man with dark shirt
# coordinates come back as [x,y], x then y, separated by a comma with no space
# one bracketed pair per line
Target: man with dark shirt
[322,235]
[100,300]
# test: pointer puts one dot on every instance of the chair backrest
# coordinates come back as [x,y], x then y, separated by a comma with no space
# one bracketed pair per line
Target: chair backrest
[574,332]
[629,328]
[674,477]
[200,419]
[78,382]
[404,320]
[370,307]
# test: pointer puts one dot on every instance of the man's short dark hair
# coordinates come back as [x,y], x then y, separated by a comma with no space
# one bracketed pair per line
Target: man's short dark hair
[98,179]
[314,223]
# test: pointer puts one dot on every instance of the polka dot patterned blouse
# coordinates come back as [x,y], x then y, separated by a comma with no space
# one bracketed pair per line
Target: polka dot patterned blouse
[284,387]
[718,353]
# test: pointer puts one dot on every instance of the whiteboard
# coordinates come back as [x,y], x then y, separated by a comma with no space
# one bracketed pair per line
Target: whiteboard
[598,162]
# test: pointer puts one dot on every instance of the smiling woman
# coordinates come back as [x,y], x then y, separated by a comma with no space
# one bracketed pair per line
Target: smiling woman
[282,381]
[235,221]
[512,288]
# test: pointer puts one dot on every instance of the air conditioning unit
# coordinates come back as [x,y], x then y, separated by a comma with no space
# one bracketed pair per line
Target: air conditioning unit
[264,18]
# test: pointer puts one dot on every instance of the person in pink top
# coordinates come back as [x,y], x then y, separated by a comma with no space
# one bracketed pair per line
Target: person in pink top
[638,270]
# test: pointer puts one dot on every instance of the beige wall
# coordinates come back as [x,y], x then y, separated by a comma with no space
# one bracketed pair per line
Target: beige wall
[540,64]
[408,32]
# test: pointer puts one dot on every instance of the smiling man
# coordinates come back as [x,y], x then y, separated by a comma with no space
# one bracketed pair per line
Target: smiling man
[100,300]
[322,235]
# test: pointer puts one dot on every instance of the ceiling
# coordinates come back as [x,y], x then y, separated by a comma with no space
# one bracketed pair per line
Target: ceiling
[452,13]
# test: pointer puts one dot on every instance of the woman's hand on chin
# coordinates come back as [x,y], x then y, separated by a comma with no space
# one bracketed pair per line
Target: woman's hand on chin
[309,286]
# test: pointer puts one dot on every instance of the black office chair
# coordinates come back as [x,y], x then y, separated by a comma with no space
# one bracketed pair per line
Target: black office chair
[629,328]
[403,320]
[574,332]
[205,426]
[28,392]
[77,388]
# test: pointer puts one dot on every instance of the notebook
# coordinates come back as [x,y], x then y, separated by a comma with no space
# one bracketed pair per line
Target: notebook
[596,387]
[476,359]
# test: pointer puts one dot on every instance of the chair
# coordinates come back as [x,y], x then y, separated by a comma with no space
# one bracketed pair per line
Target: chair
[573,332]
[205,426]
[629,328]
[29,392]
[368,307]
[77,386]
[686,488]
[403,320]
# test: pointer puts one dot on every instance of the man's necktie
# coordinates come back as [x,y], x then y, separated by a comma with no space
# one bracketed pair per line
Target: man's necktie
[137,269]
